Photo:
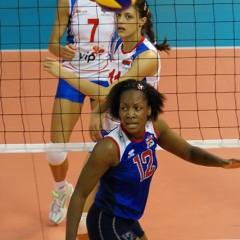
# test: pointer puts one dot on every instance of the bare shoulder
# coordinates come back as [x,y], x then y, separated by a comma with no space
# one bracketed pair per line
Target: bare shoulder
[161,126]
[107,150]
[149,54]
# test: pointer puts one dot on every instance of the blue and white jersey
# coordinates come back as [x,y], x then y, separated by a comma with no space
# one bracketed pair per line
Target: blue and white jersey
[92,31]
[124,189]
[120,64]
[121,61]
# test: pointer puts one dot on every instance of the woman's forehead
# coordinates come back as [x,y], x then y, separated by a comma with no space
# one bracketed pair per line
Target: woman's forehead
[130,10]
[132,95]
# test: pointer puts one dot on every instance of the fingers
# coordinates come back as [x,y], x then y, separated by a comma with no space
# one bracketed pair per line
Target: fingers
[47,63]
[72,47]
[232,163]
[95,134]
[68,52]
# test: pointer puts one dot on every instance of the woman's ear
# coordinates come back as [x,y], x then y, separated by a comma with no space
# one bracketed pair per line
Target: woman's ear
[143,21]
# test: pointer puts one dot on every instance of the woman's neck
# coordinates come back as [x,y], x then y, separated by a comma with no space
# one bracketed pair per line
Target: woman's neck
[131,42]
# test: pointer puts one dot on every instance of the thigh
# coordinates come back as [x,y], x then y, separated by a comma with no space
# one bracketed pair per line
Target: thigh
[64,117]
[102,226]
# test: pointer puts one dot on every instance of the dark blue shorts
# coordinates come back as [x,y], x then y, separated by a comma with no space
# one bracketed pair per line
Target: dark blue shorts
[102,225]
[66,91]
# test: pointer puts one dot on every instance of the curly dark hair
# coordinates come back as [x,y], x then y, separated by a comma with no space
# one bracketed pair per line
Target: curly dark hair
[154,98]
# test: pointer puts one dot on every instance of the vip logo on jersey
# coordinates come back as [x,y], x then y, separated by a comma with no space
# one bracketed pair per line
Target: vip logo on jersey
[79,11]
[126,64]
[89,57]
[131,153]
[150,141]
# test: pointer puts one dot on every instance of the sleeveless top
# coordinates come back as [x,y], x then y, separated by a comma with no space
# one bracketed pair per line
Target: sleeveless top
[91,30]
[121,63]
[124,189]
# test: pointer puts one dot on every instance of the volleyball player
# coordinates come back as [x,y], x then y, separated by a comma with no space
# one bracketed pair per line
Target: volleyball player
[125,161]
[89,34]
[133,52]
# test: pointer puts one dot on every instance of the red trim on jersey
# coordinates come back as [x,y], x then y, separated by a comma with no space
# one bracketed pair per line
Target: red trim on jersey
[155,130]
[118,149]
[132,140]
[112,119]
[140,41]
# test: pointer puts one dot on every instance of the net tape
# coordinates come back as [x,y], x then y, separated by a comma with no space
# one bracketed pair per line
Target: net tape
[88,146]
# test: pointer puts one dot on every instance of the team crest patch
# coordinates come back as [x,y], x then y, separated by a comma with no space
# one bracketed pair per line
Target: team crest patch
[149,141]
[127,64]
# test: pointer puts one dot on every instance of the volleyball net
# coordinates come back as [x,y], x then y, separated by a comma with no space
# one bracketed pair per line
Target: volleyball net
[200,76]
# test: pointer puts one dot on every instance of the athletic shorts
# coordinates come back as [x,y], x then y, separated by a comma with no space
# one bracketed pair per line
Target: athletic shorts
[103,226]
[66,91]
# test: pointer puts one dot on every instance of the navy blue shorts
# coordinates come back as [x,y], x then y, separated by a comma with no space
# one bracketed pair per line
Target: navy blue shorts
[102,225]
[66,91]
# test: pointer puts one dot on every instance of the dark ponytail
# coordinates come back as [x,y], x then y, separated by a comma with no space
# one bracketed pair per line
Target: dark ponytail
[143,9]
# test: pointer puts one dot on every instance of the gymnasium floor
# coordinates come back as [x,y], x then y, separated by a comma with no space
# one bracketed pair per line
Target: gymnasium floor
[186,202]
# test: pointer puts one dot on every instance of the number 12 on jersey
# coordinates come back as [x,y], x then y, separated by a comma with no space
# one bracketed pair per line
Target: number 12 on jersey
[145,159]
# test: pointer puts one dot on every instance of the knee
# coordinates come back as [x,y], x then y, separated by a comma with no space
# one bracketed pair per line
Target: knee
[56,158]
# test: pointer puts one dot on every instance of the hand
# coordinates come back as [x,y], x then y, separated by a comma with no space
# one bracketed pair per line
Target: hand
[68,52]
[95,126]
[232,163]
[54,67]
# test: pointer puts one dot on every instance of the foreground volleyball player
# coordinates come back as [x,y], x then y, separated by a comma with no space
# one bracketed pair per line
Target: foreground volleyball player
[125,160]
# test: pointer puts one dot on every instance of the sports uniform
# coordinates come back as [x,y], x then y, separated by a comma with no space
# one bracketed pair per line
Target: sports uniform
[121,62]
[91,30]
[124,189]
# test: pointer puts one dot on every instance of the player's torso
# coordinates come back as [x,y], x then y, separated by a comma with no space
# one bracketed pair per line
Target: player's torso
[91,30]
[121,61]
[126,186]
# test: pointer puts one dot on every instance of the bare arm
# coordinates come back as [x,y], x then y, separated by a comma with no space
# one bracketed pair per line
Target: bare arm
[146,65]
[175,144]
[59,28]
[95,125]
[104,156]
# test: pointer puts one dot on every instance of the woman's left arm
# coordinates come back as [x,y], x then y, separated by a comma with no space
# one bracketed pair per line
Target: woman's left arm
[176,145]
[146,64]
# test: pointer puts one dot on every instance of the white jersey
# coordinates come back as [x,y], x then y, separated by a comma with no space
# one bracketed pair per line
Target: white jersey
[121,62]
[92,31]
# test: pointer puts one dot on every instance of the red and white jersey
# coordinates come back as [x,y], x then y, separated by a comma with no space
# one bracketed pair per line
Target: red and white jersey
[92,31]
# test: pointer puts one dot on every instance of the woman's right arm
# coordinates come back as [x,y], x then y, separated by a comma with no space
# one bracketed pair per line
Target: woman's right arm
[95,125]
[146,65]
[103,156]
[59,28]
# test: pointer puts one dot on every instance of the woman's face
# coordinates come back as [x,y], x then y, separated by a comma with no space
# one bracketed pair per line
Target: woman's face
[134,112]
[128,23]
